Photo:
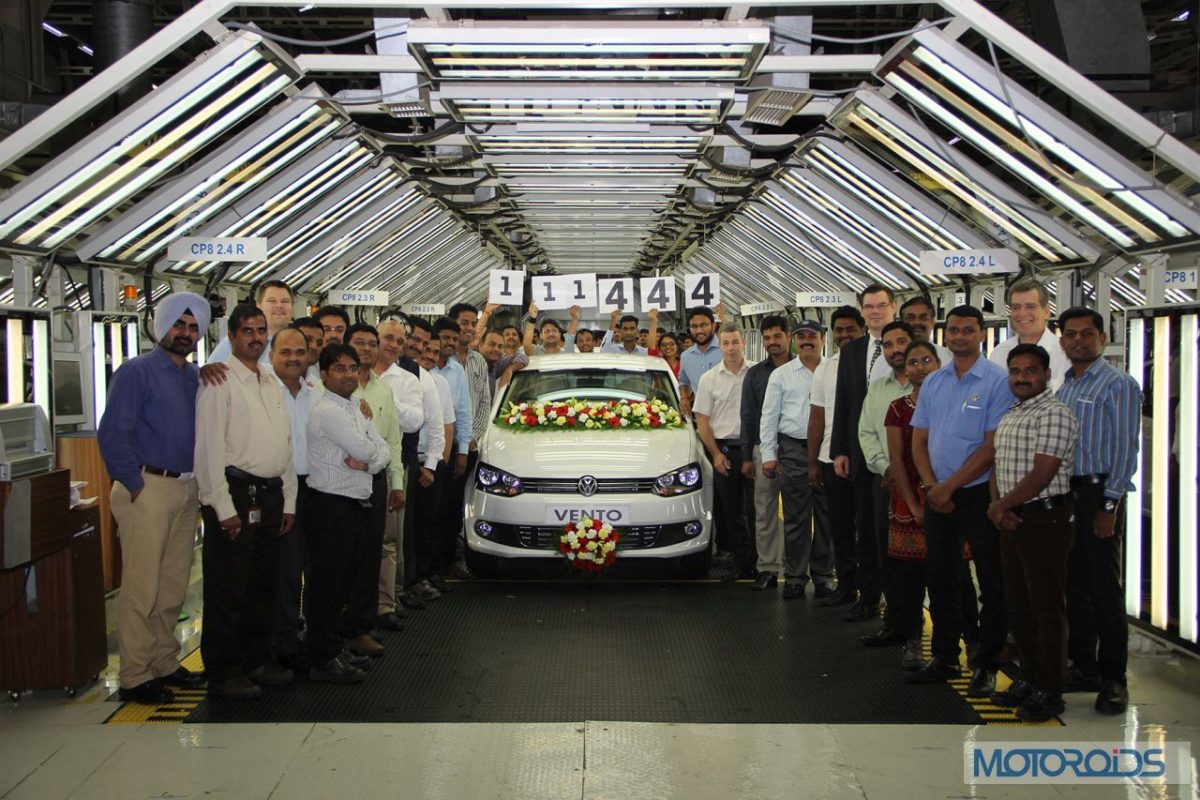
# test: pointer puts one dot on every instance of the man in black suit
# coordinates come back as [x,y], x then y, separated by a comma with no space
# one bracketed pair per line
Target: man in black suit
[861,362]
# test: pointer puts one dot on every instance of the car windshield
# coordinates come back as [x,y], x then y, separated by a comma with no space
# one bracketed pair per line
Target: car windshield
[591,384]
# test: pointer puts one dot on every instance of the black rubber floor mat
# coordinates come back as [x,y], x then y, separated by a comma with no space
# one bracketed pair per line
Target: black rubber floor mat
[622,651]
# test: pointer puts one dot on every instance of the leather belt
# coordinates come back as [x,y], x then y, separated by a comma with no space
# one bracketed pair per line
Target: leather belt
[166,473]
[246,477]
[1089,480]
[793,439]
[1043,504]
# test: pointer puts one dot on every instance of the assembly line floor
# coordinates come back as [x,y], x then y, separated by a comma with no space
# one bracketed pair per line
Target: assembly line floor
[580,689]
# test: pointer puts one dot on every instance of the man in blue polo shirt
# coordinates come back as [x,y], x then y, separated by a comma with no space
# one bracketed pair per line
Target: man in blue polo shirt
[700,357]
[961,406]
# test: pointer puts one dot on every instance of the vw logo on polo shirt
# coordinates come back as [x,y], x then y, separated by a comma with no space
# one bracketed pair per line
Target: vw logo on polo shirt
[587,486]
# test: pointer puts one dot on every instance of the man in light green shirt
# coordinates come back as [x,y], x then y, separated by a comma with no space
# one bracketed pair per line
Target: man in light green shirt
[364,594]
[872,437]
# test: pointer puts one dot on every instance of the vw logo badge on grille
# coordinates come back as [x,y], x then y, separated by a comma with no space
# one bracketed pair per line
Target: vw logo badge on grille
[587,486]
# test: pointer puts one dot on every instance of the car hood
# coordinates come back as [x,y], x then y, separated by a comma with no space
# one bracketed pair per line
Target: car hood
[601,454]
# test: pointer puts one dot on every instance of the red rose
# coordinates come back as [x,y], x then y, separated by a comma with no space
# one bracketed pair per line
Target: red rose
[570,422]
[616,537]
[615,422]
[654,422]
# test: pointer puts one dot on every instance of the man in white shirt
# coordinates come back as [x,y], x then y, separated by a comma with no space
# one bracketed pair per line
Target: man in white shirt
[289,359]
[1029,317]
[783,431]
[718,410]
[833,495]
[247,486]
[412,407]
[314,336]
[344,451]
[553,338]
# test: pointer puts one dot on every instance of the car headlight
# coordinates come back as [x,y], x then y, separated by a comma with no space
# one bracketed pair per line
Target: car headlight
[679,481]
[496,481]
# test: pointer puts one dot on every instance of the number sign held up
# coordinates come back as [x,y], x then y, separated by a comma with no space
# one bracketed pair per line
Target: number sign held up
[615,294]
[550,292]
[506,287]
[701,290]
[658,293]
[582,289]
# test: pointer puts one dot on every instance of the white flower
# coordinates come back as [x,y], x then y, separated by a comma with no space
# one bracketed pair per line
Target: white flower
[570,556]
[624,423]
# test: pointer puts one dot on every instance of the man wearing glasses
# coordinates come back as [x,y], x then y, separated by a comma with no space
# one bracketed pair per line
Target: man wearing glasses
[334,322]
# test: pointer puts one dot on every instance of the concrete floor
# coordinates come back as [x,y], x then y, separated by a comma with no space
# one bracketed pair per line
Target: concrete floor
[54,747]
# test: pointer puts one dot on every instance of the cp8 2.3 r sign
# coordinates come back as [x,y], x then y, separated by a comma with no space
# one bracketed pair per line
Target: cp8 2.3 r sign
[358,297]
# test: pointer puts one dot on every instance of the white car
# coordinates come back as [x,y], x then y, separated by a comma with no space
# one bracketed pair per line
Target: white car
[654,486]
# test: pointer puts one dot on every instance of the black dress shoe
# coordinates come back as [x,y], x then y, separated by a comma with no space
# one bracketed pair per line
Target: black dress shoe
[408,601]
[1017,693]
[793,589]
[1113,697]
[882,638]
[149,693]
[982,684]
[183,678]
[237,688]
[764,581]
[910,656]
[746,574]
[441,584]
[934,671]
[1041,707]
[271,674]
[860,612]
[839,597]
[823,591]
[390,622]
[1078,681]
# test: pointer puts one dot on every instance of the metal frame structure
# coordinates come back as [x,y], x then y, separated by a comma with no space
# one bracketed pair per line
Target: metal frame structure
[605,150]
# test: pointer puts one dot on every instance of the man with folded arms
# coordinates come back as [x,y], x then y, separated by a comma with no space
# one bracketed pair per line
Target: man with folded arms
[344,451]
[247,485]
[147,438]
[1032,508]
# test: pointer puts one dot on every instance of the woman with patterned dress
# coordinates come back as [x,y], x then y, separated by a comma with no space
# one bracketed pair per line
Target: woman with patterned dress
[906,511]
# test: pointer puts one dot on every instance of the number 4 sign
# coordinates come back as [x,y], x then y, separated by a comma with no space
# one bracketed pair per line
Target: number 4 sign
[615,294]
[658,293]
[506,287]
[701,290]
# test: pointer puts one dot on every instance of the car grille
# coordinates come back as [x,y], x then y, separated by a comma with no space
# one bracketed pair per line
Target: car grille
[546,537]
[603,485]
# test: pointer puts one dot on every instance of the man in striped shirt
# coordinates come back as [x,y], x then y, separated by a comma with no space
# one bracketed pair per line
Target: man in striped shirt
[1108,405]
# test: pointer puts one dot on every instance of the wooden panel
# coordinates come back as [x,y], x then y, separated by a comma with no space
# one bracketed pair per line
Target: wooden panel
[81,455]
[49,507]
[53,636]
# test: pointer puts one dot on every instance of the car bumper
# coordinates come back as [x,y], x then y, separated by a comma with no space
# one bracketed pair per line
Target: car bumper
[528,526]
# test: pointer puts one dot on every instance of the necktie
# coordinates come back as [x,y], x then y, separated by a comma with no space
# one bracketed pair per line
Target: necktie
[875,357]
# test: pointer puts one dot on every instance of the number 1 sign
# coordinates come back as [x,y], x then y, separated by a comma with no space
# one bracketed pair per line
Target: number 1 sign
[506,287]
[550,292]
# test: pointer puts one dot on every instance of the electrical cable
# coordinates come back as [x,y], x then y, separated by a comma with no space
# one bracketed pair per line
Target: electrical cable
[357,37]
[816,37]
[449,129]
[788,147]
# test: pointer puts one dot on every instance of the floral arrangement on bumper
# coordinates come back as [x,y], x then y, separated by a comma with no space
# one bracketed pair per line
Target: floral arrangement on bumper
[590,415]
[589,544]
